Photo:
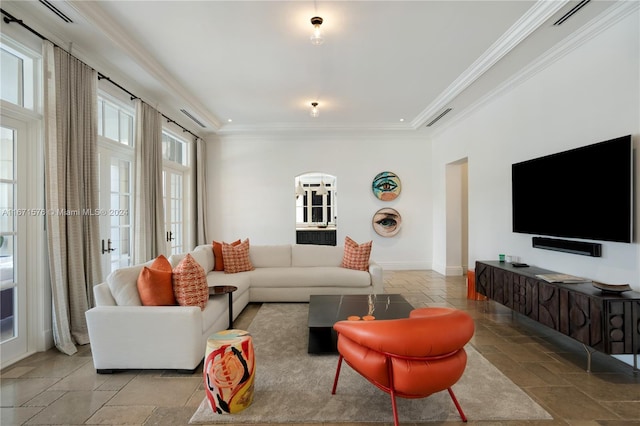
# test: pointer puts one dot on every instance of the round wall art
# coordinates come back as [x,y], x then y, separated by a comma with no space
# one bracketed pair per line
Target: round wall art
[386,186]
[386,222]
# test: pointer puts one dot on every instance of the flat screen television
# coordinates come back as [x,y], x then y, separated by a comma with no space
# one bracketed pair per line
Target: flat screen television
[583,193]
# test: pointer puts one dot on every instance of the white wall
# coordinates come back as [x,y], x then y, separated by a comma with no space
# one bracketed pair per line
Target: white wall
[251,189]
[589,95]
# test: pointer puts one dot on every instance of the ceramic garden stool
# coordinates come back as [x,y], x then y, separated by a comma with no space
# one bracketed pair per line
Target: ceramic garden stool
[229,371]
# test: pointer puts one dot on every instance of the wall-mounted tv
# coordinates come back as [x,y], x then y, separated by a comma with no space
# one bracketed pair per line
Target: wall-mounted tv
[583,193]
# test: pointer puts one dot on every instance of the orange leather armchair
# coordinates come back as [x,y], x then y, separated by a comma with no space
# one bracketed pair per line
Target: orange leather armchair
[410,357]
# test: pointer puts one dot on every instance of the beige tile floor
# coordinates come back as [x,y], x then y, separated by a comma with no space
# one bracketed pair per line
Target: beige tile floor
[51,388]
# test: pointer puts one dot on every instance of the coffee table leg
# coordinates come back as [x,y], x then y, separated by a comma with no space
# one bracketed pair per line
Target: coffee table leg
[230,310]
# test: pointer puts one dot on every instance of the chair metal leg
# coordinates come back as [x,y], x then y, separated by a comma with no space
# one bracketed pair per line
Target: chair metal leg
[455,401]
[394,407]
[392,391]
[335,381]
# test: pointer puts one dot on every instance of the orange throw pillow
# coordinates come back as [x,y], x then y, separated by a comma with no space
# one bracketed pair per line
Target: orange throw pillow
[217,255]
[154,284]
[356,256]
[236,258]
[190,283]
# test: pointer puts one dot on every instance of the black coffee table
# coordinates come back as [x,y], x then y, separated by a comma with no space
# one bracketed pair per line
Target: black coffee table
[326,310]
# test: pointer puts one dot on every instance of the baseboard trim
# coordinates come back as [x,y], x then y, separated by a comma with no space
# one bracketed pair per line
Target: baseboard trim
[404,266]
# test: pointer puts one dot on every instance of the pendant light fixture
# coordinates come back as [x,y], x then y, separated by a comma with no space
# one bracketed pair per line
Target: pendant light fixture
[322,190]
[316,37]
[315,112]
[299,189]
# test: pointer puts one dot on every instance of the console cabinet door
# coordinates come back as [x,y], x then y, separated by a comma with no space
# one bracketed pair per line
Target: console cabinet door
[621,318]
[549,305]
[503,282]
[483,279]
[525,296]
[581,318]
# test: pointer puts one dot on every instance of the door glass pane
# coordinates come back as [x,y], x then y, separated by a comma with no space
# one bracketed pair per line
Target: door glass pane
[6,154]
[8,233]
[8,295]
[119,213]
[174,202]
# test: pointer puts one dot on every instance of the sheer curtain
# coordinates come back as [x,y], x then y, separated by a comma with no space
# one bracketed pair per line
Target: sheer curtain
[200,192]
[149,228]
[71,188]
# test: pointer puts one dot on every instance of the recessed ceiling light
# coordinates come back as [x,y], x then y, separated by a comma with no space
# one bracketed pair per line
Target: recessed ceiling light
[402,119]
[229,120]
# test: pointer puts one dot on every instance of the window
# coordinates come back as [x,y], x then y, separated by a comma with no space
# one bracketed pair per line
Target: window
[115,122]
[18,77]
[174,149]
[315,200]
[175,185]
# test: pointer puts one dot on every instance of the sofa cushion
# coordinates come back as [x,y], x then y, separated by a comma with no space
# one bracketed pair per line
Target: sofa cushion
[204,256]
[123,284]
[270,256]
[154,283]
[190,283]
[236,258]
[318,276]
[217,254]
[241,280]
[315,255]
[356,256]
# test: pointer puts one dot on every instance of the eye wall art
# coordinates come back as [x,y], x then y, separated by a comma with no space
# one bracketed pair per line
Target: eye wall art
[386,222]
[386,186]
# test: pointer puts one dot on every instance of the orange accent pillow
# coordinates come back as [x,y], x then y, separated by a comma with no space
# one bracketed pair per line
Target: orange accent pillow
[154,283]
[356,256]
[190,283]
[236,258]
[217,255]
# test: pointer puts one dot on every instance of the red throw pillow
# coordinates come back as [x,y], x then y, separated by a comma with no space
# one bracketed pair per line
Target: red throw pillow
[190,283]
[217,255]
[356,256]
[236,258]
[154,283]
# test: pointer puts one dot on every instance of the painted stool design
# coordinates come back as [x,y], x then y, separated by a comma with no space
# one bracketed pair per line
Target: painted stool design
[229,371]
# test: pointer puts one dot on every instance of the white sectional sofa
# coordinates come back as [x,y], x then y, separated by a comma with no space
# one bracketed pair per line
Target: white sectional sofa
[126,335]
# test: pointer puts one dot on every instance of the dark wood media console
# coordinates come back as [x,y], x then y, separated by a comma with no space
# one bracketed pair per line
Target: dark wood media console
[604,321]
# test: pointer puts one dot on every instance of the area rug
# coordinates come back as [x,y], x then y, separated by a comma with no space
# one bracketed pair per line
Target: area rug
[292,386]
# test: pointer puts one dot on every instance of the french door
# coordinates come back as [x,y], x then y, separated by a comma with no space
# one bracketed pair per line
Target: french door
[19,219]
[116,174]
[174,202]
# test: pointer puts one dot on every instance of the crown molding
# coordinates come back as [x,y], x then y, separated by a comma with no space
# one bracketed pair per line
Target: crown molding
[537,15]
[319,127]
[94,15]
[588,31]
[324,134]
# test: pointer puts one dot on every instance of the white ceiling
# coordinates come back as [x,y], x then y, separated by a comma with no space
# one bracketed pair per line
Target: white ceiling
[252,61]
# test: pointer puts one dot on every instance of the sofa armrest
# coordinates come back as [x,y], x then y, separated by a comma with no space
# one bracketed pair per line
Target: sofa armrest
[145,336]
[103,296]
[377,281]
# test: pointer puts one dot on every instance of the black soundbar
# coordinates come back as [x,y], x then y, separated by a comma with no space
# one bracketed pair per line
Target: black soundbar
[568,246]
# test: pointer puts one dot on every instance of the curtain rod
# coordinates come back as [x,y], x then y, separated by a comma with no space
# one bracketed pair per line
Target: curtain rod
[8,19]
